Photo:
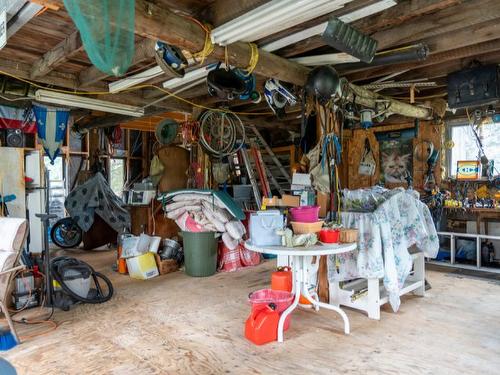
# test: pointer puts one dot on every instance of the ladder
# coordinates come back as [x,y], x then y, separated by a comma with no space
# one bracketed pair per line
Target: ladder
[251,176]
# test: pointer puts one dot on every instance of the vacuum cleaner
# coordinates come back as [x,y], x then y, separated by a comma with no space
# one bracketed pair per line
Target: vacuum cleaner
[72,283]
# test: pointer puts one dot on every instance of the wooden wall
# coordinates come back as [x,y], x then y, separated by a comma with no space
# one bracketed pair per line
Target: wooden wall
[354,145]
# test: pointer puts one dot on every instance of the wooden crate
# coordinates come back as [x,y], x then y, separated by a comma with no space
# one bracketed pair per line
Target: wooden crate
[166,266]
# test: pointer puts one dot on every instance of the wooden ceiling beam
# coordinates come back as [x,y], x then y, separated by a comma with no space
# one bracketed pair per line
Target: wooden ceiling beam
[433,59]
[441,22]
[151,21]
[442,70]
[58,55]
[389,18]
[22,70]
[144,51]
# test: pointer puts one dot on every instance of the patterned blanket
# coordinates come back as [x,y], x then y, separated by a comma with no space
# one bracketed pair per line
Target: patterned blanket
[383,241]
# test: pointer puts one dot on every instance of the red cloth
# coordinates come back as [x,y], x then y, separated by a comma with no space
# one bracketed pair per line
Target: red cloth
[233,260]
[17,118]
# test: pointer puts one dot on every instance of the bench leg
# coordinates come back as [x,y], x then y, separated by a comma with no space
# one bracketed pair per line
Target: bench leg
[373,306]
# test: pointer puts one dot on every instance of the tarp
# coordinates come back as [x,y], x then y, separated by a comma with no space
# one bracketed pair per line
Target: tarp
[96,197]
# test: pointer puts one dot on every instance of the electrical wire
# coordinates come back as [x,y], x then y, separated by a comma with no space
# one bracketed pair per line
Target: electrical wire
[254,58]
[138,87]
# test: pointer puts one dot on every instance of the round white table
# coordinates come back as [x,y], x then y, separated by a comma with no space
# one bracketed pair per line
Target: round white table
[301,259]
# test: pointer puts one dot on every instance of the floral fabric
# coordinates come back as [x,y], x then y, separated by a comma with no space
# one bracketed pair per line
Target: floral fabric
[383,241]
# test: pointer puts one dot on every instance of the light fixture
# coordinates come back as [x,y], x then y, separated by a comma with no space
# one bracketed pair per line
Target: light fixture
[136,79]
[193,75]
[328,59]
[272,17]
[318,29]
[69,100]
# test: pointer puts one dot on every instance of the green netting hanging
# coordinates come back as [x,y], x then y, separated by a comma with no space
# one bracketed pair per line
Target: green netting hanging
[107,31]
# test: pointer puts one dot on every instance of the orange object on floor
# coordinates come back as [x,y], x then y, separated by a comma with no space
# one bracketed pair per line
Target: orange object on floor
[282,280]
[261,326]
[121,264]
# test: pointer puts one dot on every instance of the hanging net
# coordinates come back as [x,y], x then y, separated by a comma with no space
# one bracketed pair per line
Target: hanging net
[107,32]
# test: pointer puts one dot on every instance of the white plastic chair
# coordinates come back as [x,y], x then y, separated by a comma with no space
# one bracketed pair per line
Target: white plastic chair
[13,233]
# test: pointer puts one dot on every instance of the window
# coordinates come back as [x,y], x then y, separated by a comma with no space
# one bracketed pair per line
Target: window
[466,147]
[117,175]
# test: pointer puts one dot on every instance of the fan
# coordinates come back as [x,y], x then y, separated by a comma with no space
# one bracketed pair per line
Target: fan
[166,131]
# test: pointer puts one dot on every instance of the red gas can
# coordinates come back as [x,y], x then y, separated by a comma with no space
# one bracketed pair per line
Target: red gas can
[261,326]
[282,280]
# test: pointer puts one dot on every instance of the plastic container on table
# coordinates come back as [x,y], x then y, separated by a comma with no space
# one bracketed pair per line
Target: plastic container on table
[200,253]
[329,235]
[304,228]
[305,214]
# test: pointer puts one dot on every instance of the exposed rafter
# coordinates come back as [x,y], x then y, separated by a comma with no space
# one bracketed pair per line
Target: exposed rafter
[144,51]
[403,12]
[58,55]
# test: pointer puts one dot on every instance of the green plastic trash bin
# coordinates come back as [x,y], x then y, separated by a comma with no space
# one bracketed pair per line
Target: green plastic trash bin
[200,253]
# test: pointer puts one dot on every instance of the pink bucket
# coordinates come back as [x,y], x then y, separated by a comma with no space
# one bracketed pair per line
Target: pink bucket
[305,214]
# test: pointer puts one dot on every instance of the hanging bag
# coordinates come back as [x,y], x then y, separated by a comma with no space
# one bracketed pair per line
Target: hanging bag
[367,164]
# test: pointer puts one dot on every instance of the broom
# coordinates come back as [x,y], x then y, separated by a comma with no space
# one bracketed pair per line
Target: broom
[7,340]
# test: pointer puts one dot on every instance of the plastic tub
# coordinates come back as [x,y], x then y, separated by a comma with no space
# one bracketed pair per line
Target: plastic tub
[305,214]
[304,228]
[200,253]
[282,299]
[329,235]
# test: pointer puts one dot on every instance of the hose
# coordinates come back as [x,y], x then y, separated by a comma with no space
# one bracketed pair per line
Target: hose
[59,264]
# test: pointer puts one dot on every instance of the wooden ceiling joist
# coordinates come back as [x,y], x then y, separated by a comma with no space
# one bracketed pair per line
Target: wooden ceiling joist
[441,22]
[58,55]
[433,59]
[388,19]
[144,51]
[152,21]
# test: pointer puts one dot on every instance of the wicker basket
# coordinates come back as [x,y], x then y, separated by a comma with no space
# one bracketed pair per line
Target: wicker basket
[348,235]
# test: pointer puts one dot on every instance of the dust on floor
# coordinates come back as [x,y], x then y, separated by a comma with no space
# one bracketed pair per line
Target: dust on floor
[175,324]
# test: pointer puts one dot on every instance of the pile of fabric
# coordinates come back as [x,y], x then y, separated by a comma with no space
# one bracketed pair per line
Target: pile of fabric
[212,211]
[202,212]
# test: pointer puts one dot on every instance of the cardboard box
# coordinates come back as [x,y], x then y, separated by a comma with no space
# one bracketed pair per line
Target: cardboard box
[142,267]
[285,201]
[323,201]
[166,265]
[290,200]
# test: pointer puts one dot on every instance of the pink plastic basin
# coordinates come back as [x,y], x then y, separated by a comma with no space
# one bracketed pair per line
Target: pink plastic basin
[305,214]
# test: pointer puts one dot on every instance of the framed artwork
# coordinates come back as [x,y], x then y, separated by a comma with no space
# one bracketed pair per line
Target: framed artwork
[396,160]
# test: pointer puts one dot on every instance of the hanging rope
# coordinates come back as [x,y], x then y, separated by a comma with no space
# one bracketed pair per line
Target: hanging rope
[208,46]
[254,58]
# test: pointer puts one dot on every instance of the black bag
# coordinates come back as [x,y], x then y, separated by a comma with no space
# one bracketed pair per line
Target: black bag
[474,86]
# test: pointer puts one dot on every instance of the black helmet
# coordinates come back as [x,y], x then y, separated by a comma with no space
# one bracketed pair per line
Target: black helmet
[225,84]
[322,83]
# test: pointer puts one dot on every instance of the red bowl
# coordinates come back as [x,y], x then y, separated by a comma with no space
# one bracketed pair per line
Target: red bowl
[329,235]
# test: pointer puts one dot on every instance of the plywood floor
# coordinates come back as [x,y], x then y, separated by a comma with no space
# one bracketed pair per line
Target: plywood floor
[180,325]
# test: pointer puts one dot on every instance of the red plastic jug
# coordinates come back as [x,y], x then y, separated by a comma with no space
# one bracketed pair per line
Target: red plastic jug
[261,326]
[282,280]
